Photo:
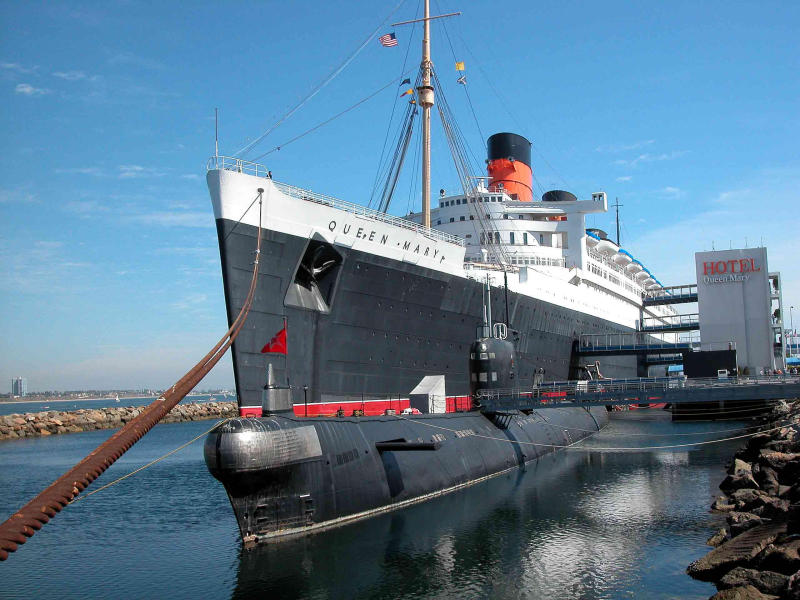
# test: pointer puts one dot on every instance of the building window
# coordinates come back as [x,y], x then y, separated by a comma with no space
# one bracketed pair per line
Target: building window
[452,219]
[461,218]
[439,222]
[505,216]
[472,217]
[497,237]
[525,238]
[511,237]
[458,201]
[469,235]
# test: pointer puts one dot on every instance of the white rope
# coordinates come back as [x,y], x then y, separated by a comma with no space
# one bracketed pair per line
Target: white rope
[150,464]
[594,448]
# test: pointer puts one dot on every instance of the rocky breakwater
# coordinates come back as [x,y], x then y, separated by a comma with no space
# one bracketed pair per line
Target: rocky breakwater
[52,422]
[756,555]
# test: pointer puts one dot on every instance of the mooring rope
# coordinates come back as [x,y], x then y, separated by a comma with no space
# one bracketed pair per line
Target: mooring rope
[151,463]
[30,518]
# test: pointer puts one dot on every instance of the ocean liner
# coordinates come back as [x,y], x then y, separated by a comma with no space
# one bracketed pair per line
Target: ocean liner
[373,306]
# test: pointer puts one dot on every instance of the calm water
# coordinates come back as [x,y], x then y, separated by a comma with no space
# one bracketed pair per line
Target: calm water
[594,524]
[9,408]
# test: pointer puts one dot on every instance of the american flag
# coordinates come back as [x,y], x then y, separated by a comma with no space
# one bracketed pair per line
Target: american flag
[388,40]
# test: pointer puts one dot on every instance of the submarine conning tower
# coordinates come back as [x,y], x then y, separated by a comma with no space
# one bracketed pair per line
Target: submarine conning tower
[509,166]
[491,365]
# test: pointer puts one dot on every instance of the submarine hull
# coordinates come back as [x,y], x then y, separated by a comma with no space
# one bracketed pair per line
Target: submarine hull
[288,476]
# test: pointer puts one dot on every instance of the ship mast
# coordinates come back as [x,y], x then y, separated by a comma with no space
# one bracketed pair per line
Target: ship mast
[425,100]
[425,95]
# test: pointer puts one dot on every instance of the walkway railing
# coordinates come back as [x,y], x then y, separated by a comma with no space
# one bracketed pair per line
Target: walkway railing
[671,322]
[242,166]
[572,391]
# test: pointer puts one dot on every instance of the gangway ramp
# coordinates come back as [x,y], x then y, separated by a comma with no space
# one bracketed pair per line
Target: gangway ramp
[675,294]
[628,344]
[669,323]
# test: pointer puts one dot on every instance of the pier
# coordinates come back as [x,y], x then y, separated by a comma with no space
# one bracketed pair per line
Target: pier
[642,390]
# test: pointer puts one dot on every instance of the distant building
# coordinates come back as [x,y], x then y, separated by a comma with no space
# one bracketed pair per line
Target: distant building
[19,386]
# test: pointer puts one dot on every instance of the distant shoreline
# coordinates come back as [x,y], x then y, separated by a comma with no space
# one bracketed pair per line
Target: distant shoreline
[95,399]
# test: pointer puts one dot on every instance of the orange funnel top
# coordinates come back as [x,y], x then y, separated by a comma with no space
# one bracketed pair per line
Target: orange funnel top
[509,166]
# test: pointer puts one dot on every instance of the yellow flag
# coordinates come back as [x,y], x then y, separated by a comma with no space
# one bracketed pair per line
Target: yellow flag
[460,66]
[407,92]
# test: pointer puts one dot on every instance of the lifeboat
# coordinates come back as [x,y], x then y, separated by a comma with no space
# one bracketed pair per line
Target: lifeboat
[643,276]
[592,239]
[634,267]
[623,258]
[607,247]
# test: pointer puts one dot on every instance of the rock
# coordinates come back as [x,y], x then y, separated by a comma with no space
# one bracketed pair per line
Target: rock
[738,551]
[767,479]
[44,432]
[766,582]
[793,587]
[740,522]
[781,558]
[740,467]
[722,504]
[790,473]
[719,537]
[745,499]
[776,460]
[738,482]
[19,421]
[773,508]
[745,592]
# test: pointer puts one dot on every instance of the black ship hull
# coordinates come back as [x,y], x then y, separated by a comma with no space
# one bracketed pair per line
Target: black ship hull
[371,326]
[290,476]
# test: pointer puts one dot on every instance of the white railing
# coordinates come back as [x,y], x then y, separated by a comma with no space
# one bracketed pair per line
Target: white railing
[242,166]
[238,165]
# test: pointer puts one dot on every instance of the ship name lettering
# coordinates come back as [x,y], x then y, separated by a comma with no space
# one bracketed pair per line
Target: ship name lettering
[416,250]
[406,245]
[384,237]
[371,235]
[332,225]
[346,229]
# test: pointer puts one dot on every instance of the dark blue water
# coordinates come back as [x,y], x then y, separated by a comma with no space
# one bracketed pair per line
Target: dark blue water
[9,408]
[579,524]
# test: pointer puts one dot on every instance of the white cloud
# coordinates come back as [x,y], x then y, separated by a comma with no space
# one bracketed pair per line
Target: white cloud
[611,148]
[191,176]
[128,58]
[29,90]
[174,219]
[18,195]
[138,171]
[85,207]
[624,178]
[671,192]
[95,171]
[647,157]
[18,68]
[73,75]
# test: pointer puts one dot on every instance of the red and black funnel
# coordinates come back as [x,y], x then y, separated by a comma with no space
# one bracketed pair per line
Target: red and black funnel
[509,166]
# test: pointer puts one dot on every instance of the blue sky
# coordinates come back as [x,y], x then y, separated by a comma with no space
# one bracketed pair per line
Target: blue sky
[686,111]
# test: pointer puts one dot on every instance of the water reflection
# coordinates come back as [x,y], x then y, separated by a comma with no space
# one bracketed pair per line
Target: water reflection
[589,525]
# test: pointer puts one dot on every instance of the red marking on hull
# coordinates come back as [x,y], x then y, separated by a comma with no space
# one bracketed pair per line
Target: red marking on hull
[372,407]
[250,411]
